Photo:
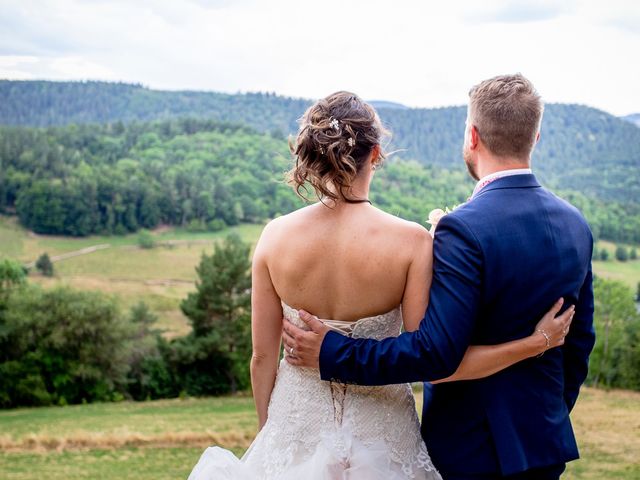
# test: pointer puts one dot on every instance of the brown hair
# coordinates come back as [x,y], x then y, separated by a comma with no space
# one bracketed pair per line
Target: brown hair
[335,140]
[506,110]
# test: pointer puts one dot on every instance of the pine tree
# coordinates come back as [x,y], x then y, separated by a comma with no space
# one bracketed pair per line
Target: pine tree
[44,265]
[219,311]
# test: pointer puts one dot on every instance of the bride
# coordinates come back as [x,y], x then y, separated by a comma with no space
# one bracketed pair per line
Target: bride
[343,258]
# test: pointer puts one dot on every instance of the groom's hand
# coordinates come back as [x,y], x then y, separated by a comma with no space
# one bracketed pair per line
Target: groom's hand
[302,348]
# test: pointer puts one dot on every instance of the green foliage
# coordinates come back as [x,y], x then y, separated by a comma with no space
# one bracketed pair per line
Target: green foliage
[604,255]
[633,255]
[12,275]
[62,346]
[118,177]
[214,358]
[149,374]
[622,254]
[615,360]
[81,180]
[146,240]
[44,265]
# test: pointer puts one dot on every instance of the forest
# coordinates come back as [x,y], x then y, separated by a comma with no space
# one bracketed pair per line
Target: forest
[204,174]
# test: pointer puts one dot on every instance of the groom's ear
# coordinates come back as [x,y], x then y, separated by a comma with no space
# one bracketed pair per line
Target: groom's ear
[475,137]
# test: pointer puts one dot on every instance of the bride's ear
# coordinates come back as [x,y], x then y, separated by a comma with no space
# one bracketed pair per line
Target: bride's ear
[374,158]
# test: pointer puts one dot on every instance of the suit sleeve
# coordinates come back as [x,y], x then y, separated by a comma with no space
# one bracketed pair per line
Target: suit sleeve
[579,343]
[436,349]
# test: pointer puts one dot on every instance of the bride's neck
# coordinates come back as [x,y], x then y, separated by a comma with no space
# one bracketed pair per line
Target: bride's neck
[359,191]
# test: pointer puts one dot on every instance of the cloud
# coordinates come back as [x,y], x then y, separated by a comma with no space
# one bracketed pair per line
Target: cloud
[412,51]
[514,11]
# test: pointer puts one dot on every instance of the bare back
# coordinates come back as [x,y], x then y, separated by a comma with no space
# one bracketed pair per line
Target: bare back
[344,263]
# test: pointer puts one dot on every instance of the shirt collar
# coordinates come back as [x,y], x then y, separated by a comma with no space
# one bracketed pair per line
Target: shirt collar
[484,181]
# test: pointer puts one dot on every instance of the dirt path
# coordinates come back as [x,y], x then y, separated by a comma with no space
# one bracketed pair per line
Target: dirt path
[75,253]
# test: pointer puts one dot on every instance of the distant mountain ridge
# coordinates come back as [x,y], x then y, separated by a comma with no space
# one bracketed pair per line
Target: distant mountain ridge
[581,147]
[633,118]
[386,104]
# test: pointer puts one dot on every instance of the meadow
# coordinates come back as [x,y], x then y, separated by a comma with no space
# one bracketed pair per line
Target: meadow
[163,276]
[627,272]
[163,439]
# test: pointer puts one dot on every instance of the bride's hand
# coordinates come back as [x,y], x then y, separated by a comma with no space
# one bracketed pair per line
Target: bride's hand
[553,329]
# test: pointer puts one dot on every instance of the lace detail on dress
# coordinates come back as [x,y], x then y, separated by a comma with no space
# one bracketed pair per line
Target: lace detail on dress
[317,429]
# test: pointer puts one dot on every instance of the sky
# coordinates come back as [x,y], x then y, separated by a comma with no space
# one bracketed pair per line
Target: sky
[420,53]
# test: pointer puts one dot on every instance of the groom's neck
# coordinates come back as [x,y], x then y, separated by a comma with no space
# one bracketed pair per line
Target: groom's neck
[489,165]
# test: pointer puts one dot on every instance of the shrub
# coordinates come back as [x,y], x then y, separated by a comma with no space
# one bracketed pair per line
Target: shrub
[146,240]
[44,265]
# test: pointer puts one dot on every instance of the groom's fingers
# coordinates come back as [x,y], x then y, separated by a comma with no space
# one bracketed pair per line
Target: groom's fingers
[314,324]
[287,340]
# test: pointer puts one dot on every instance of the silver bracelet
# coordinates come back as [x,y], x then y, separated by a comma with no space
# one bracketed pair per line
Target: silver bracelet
[546,337]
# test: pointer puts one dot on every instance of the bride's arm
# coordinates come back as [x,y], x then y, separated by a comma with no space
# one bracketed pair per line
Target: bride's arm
[416,290]
[266,326]
[480,361]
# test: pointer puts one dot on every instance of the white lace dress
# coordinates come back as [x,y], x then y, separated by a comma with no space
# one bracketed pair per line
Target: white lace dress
[327,430]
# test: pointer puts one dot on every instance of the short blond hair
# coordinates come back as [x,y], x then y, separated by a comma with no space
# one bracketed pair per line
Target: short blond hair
[506,111]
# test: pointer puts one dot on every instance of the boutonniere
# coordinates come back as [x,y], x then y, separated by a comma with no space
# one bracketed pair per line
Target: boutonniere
[436,215]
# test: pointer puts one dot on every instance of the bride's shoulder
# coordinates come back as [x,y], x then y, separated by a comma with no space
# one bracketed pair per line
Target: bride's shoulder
[400,224]
[405,229]
[284,224]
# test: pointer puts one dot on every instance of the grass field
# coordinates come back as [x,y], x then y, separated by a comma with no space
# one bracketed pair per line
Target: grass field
[627,272]
[163,439]
[161,277]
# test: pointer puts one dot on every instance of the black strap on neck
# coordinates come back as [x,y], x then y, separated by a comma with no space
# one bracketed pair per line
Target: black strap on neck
[358,200]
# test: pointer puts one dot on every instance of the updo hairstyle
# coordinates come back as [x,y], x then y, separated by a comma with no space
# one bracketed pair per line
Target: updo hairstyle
[334,142]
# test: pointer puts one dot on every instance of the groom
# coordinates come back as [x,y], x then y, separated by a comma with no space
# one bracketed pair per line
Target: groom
[501,260]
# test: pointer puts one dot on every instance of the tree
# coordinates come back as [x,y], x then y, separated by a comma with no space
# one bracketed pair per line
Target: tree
[633,255]
[44,265]
[622,255]
[12,275]
[604,254]
[638,293]
[215,357]
[150,375]
[615,314]
[146,240]
[62,346]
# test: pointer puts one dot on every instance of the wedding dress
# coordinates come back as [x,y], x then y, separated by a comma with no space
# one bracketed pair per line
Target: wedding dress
[328,430]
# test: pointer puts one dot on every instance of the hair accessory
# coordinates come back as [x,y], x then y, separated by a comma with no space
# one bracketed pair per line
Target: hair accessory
[351,142]
[335,124]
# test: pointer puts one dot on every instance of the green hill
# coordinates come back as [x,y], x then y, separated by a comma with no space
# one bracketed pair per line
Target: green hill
[157,141]
[581,148]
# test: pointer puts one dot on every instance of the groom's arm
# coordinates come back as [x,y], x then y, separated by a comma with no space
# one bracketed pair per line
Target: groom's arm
[435,350]
[579,343]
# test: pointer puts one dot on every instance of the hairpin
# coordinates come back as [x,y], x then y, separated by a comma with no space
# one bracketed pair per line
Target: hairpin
[335,124]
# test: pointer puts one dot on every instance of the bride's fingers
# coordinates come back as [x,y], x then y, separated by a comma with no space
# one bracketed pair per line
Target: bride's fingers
[564,323]
[553,311]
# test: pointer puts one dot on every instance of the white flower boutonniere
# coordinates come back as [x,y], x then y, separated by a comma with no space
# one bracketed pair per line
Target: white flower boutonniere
[436,215]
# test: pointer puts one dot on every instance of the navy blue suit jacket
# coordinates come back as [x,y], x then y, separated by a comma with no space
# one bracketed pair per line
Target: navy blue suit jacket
[500,262]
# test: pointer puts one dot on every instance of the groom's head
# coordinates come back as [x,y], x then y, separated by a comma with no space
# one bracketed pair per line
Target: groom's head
[503,121]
